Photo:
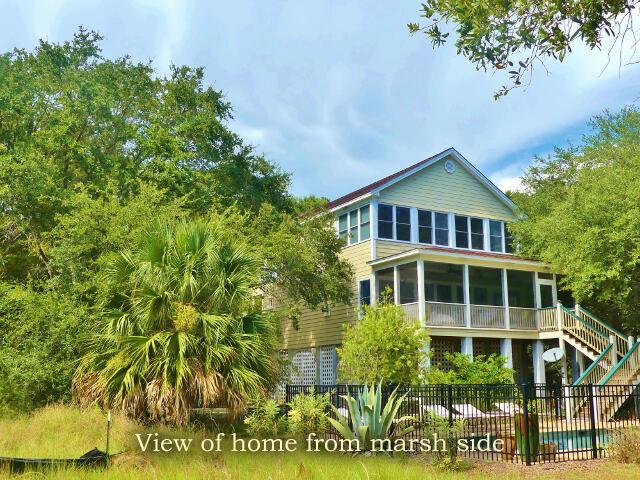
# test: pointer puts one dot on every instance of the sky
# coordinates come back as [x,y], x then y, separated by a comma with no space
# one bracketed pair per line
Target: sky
[337,92]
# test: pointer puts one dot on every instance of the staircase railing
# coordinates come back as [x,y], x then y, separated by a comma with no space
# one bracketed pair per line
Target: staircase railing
[622,342]
[591,336]
[625,370]
[598,369]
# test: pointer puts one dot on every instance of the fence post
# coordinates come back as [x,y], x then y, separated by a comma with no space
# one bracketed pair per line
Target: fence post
[592,414]
[525,409]
[449,403]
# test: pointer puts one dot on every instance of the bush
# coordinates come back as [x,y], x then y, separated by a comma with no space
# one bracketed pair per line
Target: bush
[625,446]
[481,370]
[383,345]
[308,414]
[265,420]
[40,333]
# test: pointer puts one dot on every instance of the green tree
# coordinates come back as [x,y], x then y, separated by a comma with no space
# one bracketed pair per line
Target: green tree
[583,217]
[518,36]
[383,345]
[39,333]
[479,370]
[182,328]
[70,119]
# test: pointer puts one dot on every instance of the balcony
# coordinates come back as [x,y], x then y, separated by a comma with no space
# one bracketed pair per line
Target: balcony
[440,314]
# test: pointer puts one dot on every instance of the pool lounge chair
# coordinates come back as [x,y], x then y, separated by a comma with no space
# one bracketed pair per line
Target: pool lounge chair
[509,408]
[439,411]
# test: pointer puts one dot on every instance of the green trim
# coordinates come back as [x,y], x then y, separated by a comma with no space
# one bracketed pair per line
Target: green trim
[604,334]
[593,365]
[603,322]
[608,376]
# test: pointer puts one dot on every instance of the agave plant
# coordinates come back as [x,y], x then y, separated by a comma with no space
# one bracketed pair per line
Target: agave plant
[368,420]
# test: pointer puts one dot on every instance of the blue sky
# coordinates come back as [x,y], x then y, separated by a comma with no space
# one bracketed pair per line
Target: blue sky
[337,92]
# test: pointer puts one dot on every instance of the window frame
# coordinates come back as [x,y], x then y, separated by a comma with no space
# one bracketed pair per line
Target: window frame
[357,228]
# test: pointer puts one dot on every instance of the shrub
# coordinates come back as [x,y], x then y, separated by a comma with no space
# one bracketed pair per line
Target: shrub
[308,414]
[625,446]
[40,332]
[479,370]
[383,345]
[439,426]
[265,418]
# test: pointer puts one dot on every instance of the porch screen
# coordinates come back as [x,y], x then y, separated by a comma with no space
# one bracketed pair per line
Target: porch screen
[521,289]
[485,286]
[443,282]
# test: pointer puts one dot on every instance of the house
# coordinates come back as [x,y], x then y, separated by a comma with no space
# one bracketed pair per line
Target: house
[435,235]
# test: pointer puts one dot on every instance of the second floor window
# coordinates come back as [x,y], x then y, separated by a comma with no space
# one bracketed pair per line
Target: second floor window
[385,221]
[441,223]
[425,226]
[403,224]
[355,226]
[495,236]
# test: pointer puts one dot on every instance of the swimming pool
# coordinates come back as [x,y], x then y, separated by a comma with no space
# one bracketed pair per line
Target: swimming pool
[574,439]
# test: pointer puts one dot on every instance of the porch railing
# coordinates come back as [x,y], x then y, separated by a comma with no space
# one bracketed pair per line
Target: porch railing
[411,310]
[523,318]
[487,316]
[445,314]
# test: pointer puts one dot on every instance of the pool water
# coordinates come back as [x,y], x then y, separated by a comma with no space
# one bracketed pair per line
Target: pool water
[574,439]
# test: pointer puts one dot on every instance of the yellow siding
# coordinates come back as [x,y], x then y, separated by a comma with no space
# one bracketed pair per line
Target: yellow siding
[386,248]
[314,327]
[459,192]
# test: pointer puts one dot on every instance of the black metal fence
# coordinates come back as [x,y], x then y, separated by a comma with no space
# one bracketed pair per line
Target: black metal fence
[535,422]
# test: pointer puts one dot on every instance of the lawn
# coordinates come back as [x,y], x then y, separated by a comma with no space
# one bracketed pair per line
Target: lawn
[60,431]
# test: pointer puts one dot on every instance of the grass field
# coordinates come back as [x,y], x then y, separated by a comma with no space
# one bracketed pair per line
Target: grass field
[60,431]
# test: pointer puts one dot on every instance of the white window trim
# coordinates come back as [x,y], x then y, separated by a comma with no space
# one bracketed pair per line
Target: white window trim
[351,242]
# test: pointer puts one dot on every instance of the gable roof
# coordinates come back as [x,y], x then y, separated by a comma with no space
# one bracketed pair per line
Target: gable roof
[385,182]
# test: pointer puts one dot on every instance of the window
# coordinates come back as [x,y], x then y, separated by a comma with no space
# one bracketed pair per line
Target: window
[425,230]
[495,236]
[364,290]
[353,226]
[477,233]
[441,222]
[343,229]
[385,221]
[403,224]
[508,240]
[462,231]
[365,226]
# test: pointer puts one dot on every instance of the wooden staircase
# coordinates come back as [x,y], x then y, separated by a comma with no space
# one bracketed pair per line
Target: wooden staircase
[615,370]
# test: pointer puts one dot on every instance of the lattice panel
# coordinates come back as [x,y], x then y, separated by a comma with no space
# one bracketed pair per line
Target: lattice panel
[304,368]
[439,347]
[328,364]
[486,346]
[280,392]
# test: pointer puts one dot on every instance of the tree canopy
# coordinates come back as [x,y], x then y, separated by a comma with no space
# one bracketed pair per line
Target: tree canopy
[583,216]
[518,36]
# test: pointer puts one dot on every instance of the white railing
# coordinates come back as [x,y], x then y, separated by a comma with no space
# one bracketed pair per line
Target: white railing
[587,334]
[547,319]
[445,314]
[411,310]
[622,342]
[523,318]
[487,316]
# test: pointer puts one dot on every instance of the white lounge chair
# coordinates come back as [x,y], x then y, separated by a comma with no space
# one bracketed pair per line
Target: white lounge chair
[469,411]
[344,412]
[439,411]
[509,408]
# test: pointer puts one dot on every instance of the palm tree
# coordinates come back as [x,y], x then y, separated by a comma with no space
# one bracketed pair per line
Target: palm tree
[182,327]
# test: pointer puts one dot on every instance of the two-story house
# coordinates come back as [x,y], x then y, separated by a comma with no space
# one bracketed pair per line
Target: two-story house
[434,234]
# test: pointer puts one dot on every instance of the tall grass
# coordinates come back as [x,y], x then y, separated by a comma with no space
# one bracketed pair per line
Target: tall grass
[60,431]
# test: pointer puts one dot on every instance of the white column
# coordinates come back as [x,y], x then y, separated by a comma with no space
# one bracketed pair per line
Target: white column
[373,225]
[466,346]
[563,362]
[396,285]
[467,296]
[374,289]
[580,359]
[422,314]
[505,299]
[506,350]
[539,375]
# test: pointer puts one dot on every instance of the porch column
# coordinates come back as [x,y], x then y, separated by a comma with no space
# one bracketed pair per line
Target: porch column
[505,299]
[563,362]
[396,285]
[467,296]
[576,371]
[373,285]
[506,350]
[539,375]
[422,314]
[466,346]
[373,222]
[581,365]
